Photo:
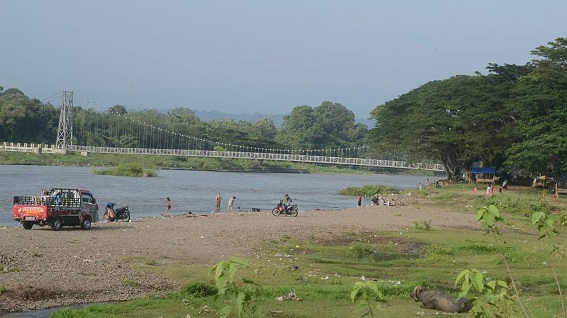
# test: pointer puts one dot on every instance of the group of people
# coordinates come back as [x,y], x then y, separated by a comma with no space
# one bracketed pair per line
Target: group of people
[428,183]
[218,200]
[377,199]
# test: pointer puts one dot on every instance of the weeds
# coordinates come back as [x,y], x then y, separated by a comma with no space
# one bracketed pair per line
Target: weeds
[362,250]
[422,225]
[199,290]
[367,296]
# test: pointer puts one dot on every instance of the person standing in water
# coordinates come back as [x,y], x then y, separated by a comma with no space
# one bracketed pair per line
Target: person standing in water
[167,206]
[230,203]
[218,200]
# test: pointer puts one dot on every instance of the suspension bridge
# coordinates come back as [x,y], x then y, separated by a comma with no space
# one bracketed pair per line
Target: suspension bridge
[133,136]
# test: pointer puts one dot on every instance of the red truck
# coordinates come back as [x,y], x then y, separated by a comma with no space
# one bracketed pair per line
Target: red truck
[56,208]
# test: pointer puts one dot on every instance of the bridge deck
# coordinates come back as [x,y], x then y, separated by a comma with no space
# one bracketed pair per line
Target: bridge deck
[230,154]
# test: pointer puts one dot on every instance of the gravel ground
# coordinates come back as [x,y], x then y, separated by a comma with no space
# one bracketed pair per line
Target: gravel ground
[41,268]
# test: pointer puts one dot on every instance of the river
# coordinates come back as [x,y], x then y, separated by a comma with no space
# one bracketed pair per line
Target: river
[192,191]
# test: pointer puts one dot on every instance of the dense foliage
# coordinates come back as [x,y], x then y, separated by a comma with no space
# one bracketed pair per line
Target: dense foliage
[330,125]
[514,118]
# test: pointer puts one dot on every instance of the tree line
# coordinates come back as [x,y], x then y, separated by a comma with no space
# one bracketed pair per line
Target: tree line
[513,118]
[327,126]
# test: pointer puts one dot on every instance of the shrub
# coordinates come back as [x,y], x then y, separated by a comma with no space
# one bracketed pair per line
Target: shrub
[128,170]
[198,290]
[362,250]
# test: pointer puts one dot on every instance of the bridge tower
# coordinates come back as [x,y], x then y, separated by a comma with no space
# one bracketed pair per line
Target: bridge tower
[65,131]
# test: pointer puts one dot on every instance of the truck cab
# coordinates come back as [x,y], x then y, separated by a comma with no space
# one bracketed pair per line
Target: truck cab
[56,208]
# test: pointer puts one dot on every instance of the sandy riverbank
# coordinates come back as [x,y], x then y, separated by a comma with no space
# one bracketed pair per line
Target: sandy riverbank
[43,268]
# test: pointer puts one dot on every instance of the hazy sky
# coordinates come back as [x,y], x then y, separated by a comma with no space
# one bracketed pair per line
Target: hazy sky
[261,56]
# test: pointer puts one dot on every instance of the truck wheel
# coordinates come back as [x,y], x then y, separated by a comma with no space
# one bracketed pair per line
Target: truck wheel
[57,224]
[27,225]
[86,224]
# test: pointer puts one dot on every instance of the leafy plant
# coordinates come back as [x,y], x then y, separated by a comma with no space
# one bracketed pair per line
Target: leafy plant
[368,296]
[546,227]
[495,301]
[240,300]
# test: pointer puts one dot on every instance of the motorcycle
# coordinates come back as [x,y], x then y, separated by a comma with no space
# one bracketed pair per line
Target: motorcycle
[122,213]
[282,209]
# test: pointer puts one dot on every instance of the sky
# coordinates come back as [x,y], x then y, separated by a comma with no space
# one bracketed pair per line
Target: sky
[260,56]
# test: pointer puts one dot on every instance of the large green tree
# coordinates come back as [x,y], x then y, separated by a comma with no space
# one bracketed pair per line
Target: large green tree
[542,110]
[26,120]
[456,121]
[327,126]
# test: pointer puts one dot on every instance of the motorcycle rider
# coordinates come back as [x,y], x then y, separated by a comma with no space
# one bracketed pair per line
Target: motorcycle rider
[287,201]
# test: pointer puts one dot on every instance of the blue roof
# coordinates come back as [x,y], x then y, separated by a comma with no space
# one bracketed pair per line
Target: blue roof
[484,170]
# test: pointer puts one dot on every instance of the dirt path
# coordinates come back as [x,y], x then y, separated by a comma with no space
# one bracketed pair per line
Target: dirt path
[41,268]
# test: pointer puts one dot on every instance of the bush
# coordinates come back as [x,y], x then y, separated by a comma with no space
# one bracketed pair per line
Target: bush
[362,250]
[198,290]
[128,170]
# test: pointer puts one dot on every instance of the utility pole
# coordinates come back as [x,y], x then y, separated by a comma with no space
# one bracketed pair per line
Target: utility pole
[65,131]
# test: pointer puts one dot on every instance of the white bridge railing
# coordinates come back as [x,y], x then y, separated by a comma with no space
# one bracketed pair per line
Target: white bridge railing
[263,156]
[28,147]
[23,147]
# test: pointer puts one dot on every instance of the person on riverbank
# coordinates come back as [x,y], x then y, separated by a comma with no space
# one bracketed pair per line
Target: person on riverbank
[110,215]
[359,200]
[381,200]
[375,199]
[230,203]
[167,207]
[218,200]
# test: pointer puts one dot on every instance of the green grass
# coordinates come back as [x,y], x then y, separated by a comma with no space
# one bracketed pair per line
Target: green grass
[323,272]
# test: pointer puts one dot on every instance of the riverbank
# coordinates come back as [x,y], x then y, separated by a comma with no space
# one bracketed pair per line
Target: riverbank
[43,268]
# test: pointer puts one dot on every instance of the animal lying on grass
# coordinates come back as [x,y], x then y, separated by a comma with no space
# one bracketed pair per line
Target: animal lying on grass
[432,299]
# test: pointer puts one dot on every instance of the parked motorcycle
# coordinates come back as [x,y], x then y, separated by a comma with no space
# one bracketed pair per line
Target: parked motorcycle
[281,209]
[122,213]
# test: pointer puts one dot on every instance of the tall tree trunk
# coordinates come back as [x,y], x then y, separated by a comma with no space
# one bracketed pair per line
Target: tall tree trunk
[452,169]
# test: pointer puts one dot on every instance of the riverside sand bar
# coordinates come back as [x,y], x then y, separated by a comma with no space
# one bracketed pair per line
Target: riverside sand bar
[48,268]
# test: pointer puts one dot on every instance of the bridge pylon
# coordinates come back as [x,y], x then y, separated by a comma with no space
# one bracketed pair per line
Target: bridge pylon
[65,131]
